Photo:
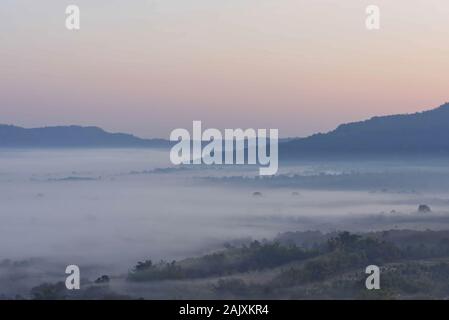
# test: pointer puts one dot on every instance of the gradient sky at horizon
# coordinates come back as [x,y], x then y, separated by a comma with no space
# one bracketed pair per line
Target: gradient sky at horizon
[148,67]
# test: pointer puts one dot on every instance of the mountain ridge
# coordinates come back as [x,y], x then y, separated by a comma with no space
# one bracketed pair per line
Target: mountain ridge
[420,133]
[71,136]
[425,132]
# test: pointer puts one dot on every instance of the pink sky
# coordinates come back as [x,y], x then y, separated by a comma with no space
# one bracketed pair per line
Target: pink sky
[147,67]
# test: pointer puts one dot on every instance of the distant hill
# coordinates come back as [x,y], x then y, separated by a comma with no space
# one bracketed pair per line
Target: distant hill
[424,133]
[71,137]
[419,133]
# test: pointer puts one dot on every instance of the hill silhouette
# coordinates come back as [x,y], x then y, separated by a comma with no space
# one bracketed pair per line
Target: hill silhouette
[419,133]
[71,136]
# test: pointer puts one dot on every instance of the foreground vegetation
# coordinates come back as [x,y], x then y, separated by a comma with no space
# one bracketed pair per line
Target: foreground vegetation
[296,265]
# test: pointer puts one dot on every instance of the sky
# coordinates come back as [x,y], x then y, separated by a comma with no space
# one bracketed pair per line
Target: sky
[148,67]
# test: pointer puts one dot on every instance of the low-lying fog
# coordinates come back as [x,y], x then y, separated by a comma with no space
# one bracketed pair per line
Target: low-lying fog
[109,209]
